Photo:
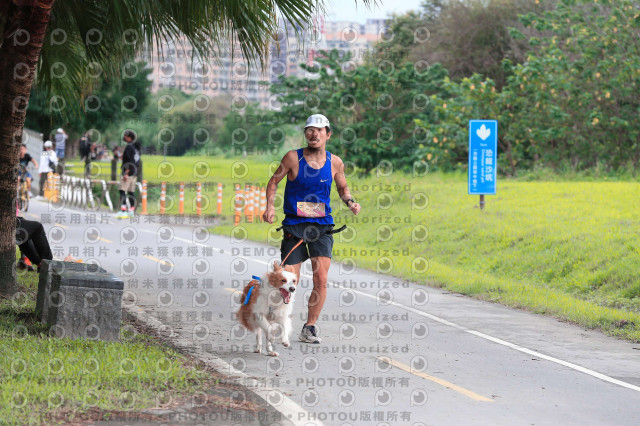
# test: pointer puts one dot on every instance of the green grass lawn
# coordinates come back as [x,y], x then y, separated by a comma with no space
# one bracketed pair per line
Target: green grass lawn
[47,380]
[563,248]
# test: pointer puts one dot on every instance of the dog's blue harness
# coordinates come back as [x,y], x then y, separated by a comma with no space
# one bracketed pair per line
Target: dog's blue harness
[246,300]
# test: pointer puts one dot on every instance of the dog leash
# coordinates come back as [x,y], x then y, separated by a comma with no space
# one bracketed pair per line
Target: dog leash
[294,247]
[329,232]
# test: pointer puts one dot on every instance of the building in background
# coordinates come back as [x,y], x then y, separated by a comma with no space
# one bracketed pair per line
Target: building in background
[175,66]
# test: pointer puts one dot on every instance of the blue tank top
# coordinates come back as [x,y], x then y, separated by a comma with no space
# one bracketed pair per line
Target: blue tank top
[307,198]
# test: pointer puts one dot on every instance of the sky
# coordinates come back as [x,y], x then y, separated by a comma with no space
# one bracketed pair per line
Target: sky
[346,10]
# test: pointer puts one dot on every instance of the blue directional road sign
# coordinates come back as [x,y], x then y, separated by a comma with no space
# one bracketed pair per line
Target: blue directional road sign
[483,156]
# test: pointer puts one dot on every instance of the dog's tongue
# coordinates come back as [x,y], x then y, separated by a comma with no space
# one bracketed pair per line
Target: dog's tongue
[285,295]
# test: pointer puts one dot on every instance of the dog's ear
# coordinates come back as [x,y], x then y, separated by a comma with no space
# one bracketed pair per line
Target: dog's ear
[276,267]
[289,268]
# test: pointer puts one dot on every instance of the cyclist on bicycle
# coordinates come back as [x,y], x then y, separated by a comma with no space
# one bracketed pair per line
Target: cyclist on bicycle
[25,159]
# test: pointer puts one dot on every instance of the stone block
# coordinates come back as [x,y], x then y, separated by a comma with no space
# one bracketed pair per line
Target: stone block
[48,269]
[79,301]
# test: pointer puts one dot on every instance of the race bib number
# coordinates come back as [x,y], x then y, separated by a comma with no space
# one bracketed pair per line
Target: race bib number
[306,209]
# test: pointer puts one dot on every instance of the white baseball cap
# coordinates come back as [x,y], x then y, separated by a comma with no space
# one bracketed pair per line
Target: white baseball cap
[48,144]
[59,130]
[317,120]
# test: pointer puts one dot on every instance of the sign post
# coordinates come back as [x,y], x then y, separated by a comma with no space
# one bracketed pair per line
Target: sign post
[483,158]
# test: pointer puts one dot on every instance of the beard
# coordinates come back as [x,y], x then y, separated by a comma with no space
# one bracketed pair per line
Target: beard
[313,149]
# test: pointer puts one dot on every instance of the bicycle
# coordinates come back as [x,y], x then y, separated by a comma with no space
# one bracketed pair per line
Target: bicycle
[23,191]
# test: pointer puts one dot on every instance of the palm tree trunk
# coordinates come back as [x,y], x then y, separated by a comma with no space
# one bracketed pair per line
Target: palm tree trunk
[22,37]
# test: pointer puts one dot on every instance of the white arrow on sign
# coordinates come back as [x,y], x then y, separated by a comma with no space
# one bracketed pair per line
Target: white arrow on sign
[483,133]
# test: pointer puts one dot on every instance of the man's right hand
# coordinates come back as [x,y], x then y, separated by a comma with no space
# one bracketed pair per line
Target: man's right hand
[269,215]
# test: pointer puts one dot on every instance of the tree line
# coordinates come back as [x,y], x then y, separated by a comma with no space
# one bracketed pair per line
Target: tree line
[560,77]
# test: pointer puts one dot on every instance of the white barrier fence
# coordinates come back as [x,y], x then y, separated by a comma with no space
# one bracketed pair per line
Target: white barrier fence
[77,192]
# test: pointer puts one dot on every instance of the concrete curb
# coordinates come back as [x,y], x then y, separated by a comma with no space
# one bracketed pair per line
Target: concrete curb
[292,413]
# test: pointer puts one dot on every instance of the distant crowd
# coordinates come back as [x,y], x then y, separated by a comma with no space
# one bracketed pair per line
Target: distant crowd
[91,151]
[30,235]
[54,154]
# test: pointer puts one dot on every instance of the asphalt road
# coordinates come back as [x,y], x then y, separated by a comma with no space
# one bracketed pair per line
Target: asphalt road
[392,352]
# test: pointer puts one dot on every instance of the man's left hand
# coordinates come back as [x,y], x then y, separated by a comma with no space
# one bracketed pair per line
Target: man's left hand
[355,208]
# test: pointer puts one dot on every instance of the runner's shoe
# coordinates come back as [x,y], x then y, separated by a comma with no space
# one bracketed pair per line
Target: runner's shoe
[130,214]
[122,215]
[309,334]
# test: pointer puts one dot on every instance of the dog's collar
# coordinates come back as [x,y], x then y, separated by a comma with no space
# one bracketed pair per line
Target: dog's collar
[246,299]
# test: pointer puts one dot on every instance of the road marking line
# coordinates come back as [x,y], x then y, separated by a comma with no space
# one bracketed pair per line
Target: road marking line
[200,244]
[35,216]
[105,240]
[519,348]
[573,366]
[184,240]
[160,261]
[442,382]
[61,226]
[232,290]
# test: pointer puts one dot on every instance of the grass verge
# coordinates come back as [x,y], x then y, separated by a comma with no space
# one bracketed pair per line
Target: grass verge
[46,380]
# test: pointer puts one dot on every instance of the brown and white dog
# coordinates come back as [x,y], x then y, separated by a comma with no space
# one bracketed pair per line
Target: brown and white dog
[270,302]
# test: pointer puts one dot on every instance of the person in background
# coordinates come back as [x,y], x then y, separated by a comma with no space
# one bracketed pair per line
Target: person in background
[25,159]
[33,243]
[85,152]
[60,139]
[130,165]
[92,153]
[32,240]
[83,146]
[48,164]
[117,156]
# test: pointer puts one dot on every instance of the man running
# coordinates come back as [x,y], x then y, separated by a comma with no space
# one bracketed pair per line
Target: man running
[310,172]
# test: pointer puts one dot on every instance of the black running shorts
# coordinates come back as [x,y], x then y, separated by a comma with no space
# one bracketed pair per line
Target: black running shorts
[316,244]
